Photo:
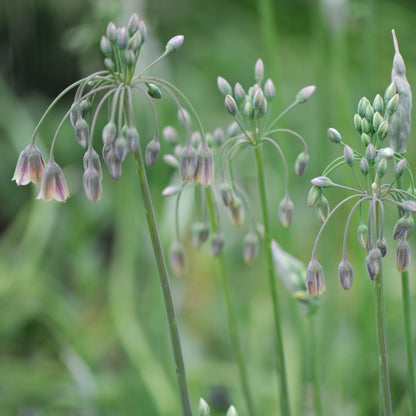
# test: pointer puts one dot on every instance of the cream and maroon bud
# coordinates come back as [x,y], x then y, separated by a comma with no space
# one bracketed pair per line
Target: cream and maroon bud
[122,38]
[92,159]
[29,167]
[373,263]
[152,152]
[132,137]
[53,185]
[92,184]
[301,163]
[109,134]
[113,163]
[334,135]
[250,247]
[111,32]
[230,105]
[315,280]
[313,195]
[345,274]
[133,25]
[362,235]
[82,131]
[188,162]
[204,172]
[322,208]
[239,92]
[403,255]
[121,148]
[381,243]
[286,211]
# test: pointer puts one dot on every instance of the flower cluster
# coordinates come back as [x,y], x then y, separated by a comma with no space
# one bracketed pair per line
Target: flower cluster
[111,89]
[382,170]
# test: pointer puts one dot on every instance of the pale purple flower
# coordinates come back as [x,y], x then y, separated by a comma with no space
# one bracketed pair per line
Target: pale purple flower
[29,167]
[53,184]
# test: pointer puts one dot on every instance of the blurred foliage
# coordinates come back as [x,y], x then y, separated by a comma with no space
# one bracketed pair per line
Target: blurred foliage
[82,325]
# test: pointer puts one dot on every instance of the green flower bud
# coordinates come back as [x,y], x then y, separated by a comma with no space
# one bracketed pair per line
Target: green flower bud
[383,129]
[174,43]
[357,122]
[130,58]
[393,104]
[230,105]
[111,32]
[109,64]
[305,93]
[390,92]
[386,153]
[301,163]
[250,247]
[349,156]
[239,92]
[400,167]
[364,166]
[259,71]
[133,25]
[224,86]
[370,153]
[381,167]
[334,135]
[286,211]
[248,109]
[315,280]
[135,42]
[362,235]
[362,106]
[365,126]
[378,103]
[377,120]
[203,408]
[369,113]
[105,46]
[313,195]
[373,263]
[365,139]
[154,91]
[345,274]
[322,208]
[269,89]
[403,255]
[322,182]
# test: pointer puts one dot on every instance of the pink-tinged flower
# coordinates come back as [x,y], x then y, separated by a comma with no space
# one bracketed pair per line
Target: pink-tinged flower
[53,184]
[92,184]
[29,167]
[315,280]
[204,172]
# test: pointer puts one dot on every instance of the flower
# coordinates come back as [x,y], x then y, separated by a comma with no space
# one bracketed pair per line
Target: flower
[315,281]
[29,167]
[53,184]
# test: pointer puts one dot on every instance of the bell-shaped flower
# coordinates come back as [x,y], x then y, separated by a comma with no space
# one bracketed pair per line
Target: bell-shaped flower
[92,184]
[29,167]
[53,184]
[204,172]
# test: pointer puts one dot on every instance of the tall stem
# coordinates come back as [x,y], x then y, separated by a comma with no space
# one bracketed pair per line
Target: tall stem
[382,347]
[165,286]
[232,322]
[313,360]
[281,367]
[407,317]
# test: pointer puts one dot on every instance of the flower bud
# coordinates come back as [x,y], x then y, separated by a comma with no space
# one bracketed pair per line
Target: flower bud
[390,92]
[217,244]
[82,131]
[132,137]
[305,93]
[218,137]
[184,118]
[386,153]
[135,42]
[233,129]
[204,172]
[130,58]
[378,103]
[109,64]
[199,234]
[403,255]
[174,44]
[154,91]
[224,86]
[377,120]
[122,38]
[322,182]
[142,31]
[383,129]
[365,126]
[237,212]
[91,159]
[92,184]
[105,46]
[409,206]
[286,212]
[170,134]
[133,25]
[400,167]
[188,162]
[322,208]
[227,194]
[112,161]
[29,167]
[232,411]
[111,32]
[248,109]
[393,104]
[370,153]
[109,134]
[369,113]
[381,244]
[239,92]
[269,89]
[152,152]
[53,185]
[362,235]
[362,106]
[121,148]
[250,247]
[171,190]
[365,139]
[177,259]
[364,166]
[381,167]
[349,155]
[313,195]
[334,135]
[315,280]
[203,408]
[301,163]
[259,71]
[401,227]
[345,274]
[373,263]
[357,122]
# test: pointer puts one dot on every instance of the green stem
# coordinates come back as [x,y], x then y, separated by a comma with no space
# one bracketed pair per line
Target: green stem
[232,322]
[409,343]
[165,286]
[281,367]
[313,360]
[382,347]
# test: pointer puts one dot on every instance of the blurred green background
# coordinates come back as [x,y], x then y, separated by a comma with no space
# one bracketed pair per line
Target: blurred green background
[82,325]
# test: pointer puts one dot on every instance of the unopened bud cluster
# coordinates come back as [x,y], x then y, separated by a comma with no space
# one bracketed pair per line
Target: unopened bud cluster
[379,170]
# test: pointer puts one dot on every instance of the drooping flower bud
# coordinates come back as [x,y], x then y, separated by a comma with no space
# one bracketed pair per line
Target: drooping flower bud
[29,167]
[315,280]
[132,137]
[204,172]
[217,243]
[82,132]
[121,148]
[188,162]
[373,263]
[237,212]
[224,86]
[154,91]
[322,208]
[362,235]
[152,152]
[401,227]
[334,135]
[381,243]
[53,185]
[170,134]
[301,163]
[286,211]
[109,134]
[403,255]
[345,274]
[305,93]
[113,163]
[92,159]
[177,259]
[174,43]
[199,234]
[313,195]
[227,194]
[250,247]
[184,118]
[92,184]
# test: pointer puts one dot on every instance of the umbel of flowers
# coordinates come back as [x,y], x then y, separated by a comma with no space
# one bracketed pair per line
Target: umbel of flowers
[379,170]
[110,90]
